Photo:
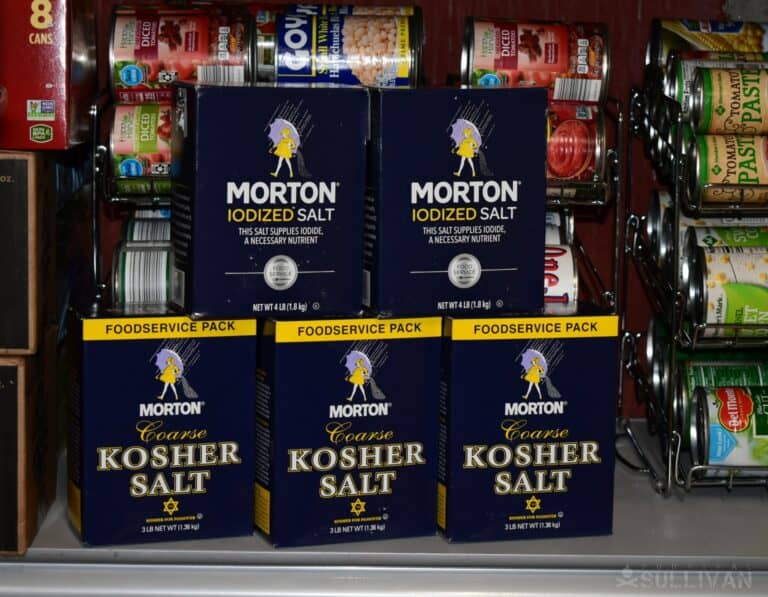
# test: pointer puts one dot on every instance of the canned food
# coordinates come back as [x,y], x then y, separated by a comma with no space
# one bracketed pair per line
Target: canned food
[348,9]
[381,51]
[566,222]
[164,213]
[721,36]
[140,148]
[141,274]
[735,164]
[264,19]
[656,356]
[710,373]
[727,101]
[730,430]
[681,69]
[571,59]
[148,229]
[561,280]
[662,124]
[729,286]
[152,47]
[575,143]
[659,202]
[671,154]
[553,235]
[667,237]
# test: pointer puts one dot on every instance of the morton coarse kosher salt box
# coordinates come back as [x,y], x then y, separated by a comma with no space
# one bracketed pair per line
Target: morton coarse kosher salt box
[269,191]
[161,443]
[456,201]
[346,429]
[527,427]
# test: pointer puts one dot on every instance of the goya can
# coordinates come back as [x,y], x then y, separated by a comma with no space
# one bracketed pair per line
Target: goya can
[737,166]
[681,70]
[729,286]
[349,9]
[141,274]
[152,47]
[571,59]
[730,430]
[140,147]
[561,280]
[575,143]
[565,222]
[730,101]
[717,36]
[148,229]
[380,51]
[710,373]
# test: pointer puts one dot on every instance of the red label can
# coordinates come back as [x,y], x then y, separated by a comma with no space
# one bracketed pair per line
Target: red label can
[575,142]
[150,49]
[571,59]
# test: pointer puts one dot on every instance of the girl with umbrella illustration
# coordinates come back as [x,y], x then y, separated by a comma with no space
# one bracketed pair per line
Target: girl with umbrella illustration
[467,148]
[533,376]
[284,150]
[358,377]
[536,370]
[169,375]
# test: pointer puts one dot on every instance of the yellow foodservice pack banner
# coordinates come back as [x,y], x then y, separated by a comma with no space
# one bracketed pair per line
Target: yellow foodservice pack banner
[333,330]
[508,328]
[149,328]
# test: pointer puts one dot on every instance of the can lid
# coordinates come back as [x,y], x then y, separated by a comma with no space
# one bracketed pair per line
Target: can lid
[700,427]
[696,290]
[694,165]
[696,102]
[678,402]
[468,51]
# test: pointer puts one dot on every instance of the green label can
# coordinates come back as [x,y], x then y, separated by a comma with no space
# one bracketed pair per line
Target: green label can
[730,430]
[730,100]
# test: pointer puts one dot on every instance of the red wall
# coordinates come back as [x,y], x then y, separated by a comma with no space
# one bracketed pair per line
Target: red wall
[628,23]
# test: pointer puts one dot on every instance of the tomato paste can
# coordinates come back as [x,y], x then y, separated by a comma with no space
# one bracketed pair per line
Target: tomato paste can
[708,372]
[681,70]
[575,143]
[565,222]
[729,101]
[715,36]
[148,229]
[375,50]
[349,9]
[561,280]
[141,274]
[729,286]
[671,154]
[140,149]
[730,430]
[571,59]
[151,47]
[737,164]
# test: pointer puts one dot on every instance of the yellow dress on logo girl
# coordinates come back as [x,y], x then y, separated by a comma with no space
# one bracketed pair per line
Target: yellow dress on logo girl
[533,376]
[467,150]
[284,150]
[169,376]
[357,378]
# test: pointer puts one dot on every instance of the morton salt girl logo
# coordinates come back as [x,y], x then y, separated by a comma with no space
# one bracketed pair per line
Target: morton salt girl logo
[538,360]
[173,361]
[361,363]
[285,143]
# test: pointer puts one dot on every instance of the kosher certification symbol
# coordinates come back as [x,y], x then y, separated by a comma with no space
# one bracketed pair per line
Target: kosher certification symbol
[464,270]
[280,272]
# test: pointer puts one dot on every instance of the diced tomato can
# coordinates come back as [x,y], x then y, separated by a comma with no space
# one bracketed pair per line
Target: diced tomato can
[152,47]
[140,149]
[561,280]
[571,59]
[575,143]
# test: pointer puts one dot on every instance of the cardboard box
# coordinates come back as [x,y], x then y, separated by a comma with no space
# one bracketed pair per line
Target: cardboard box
[456,201]
[47,73]
[346,413]
[27,444]
[527,436]
[161,429]
[27,294]
[269,186]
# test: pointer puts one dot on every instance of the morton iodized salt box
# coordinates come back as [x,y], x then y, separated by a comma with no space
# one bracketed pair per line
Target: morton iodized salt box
[161,443]
[346,429]
[269,191]
[527,427]
[456,201]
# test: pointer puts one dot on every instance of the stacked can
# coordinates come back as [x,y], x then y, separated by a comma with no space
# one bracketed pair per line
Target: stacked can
[572,61]
[561,274]
[142,262]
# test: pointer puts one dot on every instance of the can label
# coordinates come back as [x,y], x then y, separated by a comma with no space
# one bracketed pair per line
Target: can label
[573,142]
[351,50]
[560,280]
[141,140]
[731,236]
[733,101]
[151,49]
[348,9]
[149,229]
[738,426]
[734,160]
[685,34]
[142,276]
[566,58]
[737,287]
